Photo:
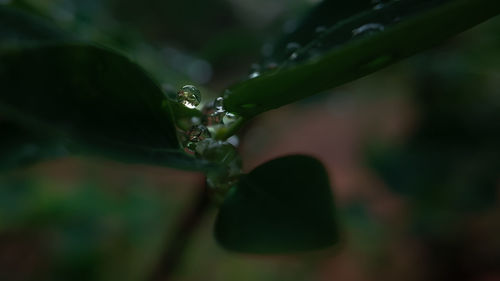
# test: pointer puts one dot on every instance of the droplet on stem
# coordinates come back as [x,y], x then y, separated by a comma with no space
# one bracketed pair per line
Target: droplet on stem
[368,29]
[189,96]
[229,118]
[253,75]
[214,112]
[194,135]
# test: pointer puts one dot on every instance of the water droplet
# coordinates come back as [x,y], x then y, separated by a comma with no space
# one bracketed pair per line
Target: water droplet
[215,118]
[190,147]
[368,28]
[224,154]
[214,112]
[234,140]
[254,74]
[216,151]
[291,50]
[195,120]
[219,103]
[194,135]
[189,96]
[229,118]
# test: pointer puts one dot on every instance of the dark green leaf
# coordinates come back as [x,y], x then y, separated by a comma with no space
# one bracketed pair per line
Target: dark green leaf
[20,147]
[317,21]
[351,49]
[91,100]
[19,27]
[282,206]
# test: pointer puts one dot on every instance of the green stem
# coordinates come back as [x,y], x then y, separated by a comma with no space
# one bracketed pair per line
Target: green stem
[227,132]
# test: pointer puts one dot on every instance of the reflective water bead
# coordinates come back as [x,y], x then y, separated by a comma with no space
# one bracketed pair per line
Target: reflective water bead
[234,140]
[219,103]
[228,118]
[255,67]
[189,96]
[197,133]
[227,177]
[195,120]
[292,47]
[224,154]
[217,151]
[190,147]
[253,75]
[367,29]
[213,112]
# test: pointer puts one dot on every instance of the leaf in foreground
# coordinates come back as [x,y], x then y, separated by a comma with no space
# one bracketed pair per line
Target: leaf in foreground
[282,206]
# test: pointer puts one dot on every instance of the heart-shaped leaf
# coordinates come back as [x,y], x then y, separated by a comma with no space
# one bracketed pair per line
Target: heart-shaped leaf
[282,206]
[93,101]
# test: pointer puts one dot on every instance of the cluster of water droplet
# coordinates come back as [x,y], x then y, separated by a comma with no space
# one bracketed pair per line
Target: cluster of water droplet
[197,140]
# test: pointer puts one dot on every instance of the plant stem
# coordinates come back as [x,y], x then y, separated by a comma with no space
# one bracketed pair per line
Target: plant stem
[226,133]
[172,256]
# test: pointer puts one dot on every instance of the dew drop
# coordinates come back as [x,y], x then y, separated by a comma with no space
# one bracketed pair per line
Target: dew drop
[219,103]
[368,28]
[254,74]
[195,120]
[216,151]
[234,140]
[226,155]
[229,118]
[194,135]
[189,96]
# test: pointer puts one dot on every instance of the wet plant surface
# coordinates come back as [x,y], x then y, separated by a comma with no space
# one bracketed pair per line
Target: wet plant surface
[230,142]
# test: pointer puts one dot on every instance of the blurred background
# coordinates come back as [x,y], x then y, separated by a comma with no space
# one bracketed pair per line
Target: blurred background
[413,153]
